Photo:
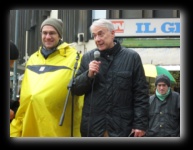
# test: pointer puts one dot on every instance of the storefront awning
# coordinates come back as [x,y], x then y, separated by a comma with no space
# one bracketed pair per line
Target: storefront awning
[172,68]
[167,57]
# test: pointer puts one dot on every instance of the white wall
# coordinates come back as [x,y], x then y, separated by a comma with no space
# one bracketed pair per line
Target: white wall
[97,14]
[54,14]
[159,56]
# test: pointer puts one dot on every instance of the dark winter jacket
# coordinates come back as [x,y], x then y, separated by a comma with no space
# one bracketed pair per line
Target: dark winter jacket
[164,116]
[117,98]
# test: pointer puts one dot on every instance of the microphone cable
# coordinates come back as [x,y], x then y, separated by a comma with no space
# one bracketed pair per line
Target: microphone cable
[96,57]
[91,103]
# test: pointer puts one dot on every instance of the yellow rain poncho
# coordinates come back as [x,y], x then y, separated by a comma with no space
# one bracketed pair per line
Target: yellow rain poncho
[43,93]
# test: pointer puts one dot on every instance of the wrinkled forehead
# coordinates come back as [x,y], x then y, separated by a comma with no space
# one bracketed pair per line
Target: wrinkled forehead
[97,29]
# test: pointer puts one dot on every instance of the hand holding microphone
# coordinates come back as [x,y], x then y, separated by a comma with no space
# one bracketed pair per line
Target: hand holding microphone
[94,65]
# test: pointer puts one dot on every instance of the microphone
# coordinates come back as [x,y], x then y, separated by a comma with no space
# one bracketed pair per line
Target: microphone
[96,57]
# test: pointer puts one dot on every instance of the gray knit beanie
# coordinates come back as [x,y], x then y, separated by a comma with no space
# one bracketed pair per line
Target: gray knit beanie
[56,23]
[162,78]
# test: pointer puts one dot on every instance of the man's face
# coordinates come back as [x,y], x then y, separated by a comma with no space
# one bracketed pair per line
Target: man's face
[162,88]
[103,37]
[50,37]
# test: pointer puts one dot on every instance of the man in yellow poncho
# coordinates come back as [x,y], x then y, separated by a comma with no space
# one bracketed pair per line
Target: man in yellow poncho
[44,89]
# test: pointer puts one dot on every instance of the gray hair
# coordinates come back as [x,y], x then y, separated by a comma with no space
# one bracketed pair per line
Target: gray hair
[103,23]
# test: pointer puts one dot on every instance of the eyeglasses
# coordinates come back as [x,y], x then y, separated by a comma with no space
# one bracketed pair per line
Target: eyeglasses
[52,33]
[100,34]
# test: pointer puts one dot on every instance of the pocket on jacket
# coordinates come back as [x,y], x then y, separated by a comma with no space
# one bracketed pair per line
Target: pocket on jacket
[124,80]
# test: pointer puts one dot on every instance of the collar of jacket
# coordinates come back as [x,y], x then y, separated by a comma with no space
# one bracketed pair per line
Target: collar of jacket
[113,51]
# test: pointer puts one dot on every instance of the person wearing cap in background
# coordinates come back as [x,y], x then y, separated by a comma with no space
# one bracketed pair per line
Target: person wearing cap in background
[164,111]
[44,88]
[14,55]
